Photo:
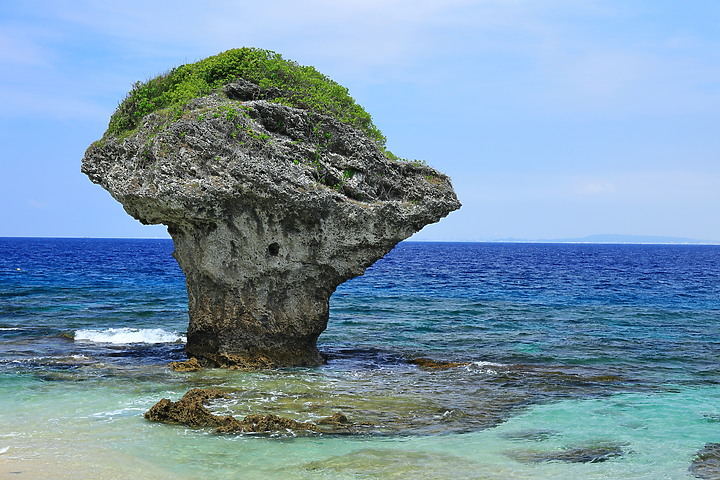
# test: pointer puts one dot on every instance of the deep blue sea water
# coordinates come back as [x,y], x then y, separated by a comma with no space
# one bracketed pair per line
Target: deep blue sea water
[576,361]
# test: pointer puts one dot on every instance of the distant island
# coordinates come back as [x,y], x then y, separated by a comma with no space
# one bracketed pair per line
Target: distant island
[611,238]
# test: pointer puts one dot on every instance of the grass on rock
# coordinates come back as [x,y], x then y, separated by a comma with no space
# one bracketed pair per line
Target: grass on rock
[299,86]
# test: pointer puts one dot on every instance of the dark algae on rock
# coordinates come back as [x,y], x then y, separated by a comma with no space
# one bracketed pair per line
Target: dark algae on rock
[275,188]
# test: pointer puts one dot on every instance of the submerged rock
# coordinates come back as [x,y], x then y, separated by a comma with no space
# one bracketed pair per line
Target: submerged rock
[335,419]
[591,453]
[270,207]
[338,423]
[397,464]
[706,463]
[190,410]
[435,364]
[530,435]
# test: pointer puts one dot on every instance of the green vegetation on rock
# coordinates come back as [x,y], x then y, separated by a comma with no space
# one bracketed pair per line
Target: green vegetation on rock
[296,85]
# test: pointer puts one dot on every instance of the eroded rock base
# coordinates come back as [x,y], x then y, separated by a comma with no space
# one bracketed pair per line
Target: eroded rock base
[251,361]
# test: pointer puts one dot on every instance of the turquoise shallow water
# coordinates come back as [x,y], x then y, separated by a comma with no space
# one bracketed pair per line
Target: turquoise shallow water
[583,361]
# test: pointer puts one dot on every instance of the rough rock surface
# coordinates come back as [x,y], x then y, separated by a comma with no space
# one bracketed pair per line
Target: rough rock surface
[189,410]
[190,365]
[270,208]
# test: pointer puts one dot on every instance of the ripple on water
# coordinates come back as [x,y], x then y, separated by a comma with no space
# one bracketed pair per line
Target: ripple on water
[394,464]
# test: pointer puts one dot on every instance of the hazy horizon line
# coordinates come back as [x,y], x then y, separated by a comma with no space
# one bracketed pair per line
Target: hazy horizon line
[590,239]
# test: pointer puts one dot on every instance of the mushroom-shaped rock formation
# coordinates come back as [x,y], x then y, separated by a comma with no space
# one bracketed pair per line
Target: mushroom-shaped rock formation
[275,188]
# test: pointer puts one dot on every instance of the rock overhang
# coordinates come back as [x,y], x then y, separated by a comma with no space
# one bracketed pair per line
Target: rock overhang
[270,207]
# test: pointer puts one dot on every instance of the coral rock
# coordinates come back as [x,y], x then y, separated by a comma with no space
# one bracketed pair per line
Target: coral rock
[270,208]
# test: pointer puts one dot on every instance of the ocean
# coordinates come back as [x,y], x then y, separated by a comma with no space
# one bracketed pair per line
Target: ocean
[564,361]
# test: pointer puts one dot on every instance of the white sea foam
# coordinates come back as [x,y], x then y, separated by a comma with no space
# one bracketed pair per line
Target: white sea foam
[486,367]
[126,335]
[4,449]
[487,364]
[124,412]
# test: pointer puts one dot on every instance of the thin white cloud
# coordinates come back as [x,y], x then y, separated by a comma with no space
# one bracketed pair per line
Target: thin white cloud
[355,35]
[593,187]
[553,58]
[58,105]
[23,46]
[556,205]
[603,75]
[650,187]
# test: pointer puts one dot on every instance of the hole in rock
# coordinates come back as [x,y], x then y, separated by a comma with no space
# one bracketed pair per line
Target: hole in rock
[273,249]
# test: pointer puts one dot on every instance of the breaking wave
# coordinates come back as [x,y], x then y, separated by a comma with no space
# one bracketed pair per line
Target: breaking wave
[123,336]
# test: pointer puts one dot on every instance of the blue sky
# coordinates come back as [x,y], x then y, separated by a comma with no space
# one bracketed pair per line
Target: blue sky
[555,118]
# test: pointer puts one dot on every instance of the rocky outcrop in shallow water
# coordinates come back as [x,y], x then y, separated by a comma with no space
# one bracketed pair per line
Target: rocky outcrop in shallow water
[270,208]
[190,410]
